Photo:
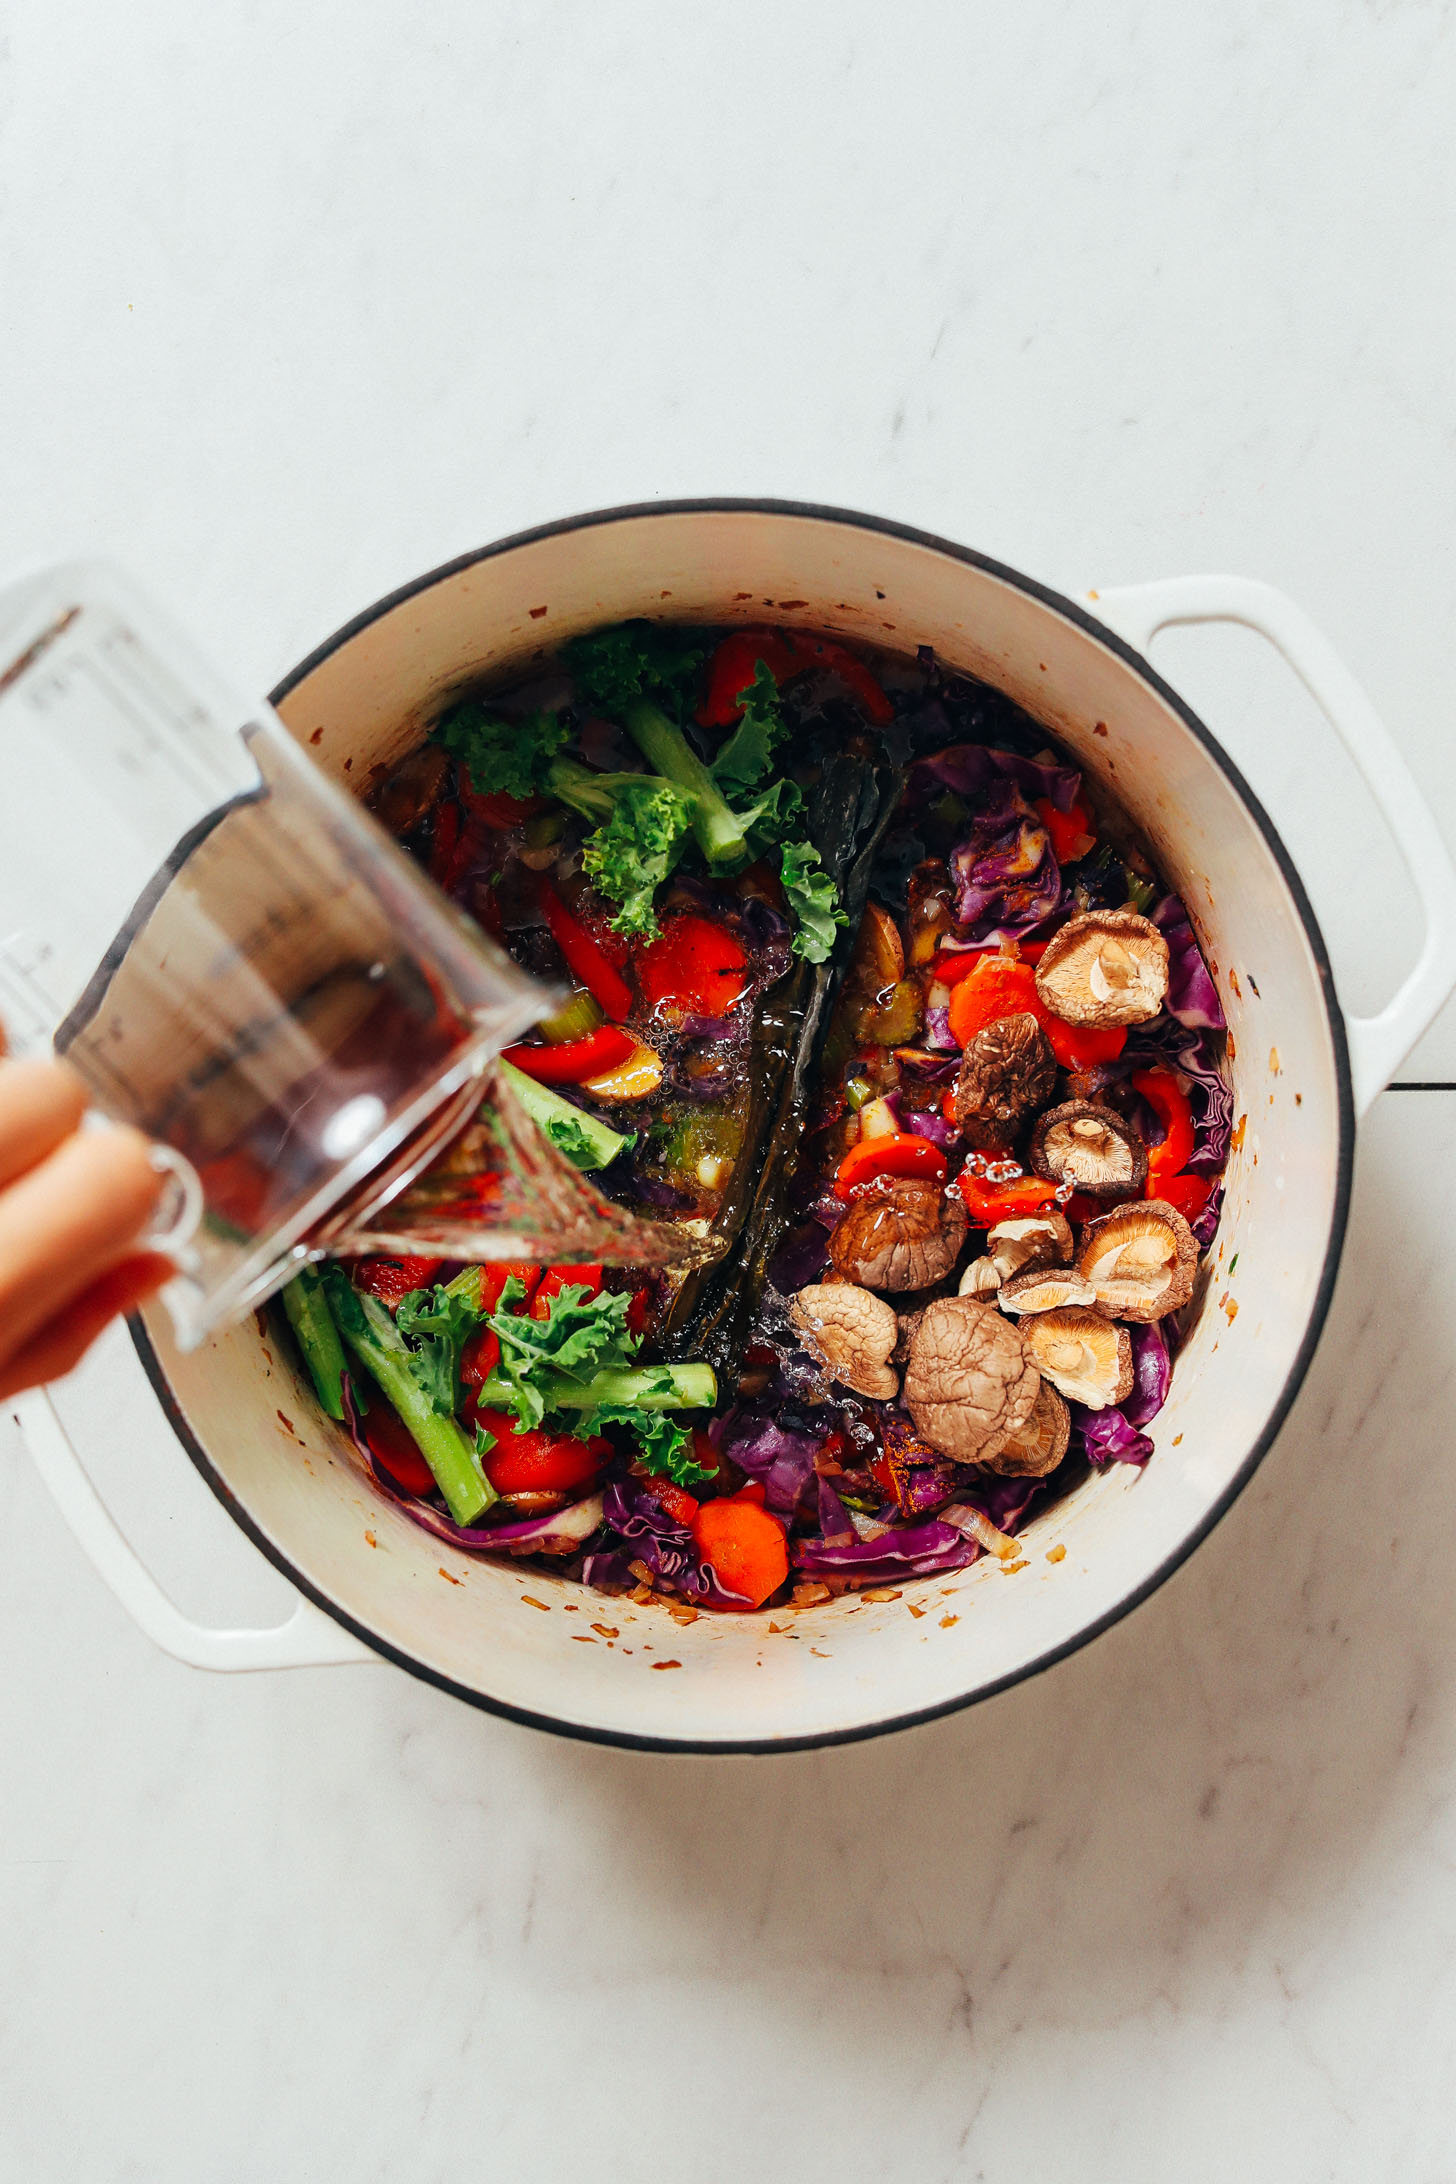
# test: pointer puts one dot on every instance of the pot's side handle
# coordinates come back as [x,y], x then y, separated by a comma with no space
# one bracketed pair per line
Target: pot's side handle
[1378,1044]
[307,1640]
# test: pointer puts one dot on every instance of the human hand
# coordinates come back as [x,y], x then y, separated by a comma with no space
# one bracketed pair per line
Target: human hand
[72,1205]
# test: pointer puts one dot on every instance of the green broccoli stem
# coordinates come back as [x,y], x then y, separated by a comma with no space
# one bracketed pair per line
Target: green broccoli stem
[719,831]
[466,1284]
[318,1338]
[599,1143]
[372,1337]
[640,1387]
[582,789]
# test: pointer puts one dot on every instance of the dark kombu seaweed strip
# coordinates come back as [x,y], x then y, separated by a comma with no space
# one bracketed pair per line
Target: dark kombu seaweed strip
[848,811]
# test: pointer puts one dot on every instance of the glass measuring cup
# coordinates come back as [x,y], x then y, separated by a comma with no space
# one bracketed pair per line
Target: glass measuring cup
[231,951]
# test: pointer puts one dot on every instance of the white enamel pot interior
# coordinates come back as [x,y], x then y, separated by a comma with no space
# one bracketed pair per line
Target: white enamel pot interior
[540,1649]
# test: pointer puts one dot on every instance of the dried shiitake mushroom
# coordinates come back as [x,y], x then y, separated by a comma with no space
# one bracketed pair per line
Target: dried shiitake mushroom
[851,1333]
[1140,1259]
[906,1322]
[970,1382]
[982,1278]
[1044,1289]
[1037,1447]
[1104,967]
[404,797]
[1034,1239]
[1094,1148]
[1082,1354]
[901,1235]
[1007,1072]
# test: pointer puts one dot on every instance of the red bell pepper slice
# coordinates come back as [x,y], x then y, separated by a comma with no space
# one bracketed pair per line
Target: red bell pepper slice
[1159,1087]
[676,1500]
[1081,1046]
[391,1279]
[954,964]
[485,901]
[390,1443]
[998,985]
[480,1357]
[482,1352]
[557,1278]
[576,1059]
[735,664]
[902,1155]
[1070,831]
[987,1202]
[733,667]
[1186,1194]
[585,957]
[444,840]
[496,810]
[693,968]
[537,1462]
[852,672]
[239,1187]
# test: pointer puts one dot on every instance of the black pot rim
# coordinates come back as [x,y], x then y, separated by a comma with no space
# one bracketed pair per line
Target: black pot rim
[1081,619]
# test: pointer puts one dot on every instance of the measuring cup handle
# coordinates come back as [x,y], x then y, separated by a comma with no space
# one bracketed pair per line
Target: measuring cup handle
[309,1639]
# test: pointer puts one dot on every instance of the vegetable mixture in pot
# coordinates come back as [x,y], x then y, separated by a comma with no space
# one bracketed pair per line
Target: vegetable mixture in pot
[868,987]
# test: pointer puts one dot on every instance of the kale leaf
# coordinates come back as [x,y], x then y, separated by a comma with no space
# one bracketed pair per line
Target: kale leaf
[439,1321]
[664,1447]
[501,756]
[814,900]
[579,1337]
[613,667]
[640,845]
[749,752]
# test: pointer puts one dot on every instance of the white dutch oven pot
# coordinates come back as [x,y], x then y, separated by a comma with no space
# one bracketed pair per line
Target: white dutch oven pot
[1302,1072]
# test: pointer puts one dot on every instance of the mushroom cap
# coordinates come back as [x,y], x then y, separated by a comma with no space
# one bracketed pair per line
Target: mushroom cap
[1045,1289]
[1140,1258]
[905,1234]
[1104,967]
[1007,1070]
[1084,1355]
[906,1323]
[982,1278]
[970,1382]
[1032,1239]
[1037,1447]
[851,1333]
[1091,1146]
[984,1134]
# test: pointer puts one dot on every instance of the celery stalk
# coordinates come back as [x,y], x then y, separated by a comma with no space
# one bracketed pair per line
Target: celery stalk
[371,1335]
[718,829]
[317,1337]
[644,1387]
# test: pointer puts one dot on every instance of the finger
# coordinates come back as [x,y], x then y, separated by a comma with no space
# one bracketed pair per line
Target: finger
[68,1221]
[40,1104]
[59,1346]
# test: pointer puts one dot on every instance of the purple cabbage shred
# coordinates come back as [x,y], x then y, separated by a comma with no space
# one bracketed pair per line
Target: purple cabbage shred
[1108,1438]
[781,1459]
[1007,878]
[1192,995]
[973,770]
[1152,1368]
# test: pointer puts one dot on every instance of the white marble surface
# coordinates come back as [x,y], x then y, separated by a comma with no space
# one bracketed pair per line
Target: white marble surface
[299,302]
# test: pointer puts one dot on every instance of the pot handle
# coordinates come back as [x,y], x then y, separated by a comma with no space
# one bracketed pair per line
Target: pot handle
[309,1639]
[1378,1044]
